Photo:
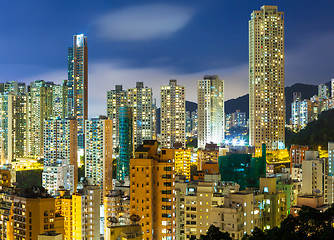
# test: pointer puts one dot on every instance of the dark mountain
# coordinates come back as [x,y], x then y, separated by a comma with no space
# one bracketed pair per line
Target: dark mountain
[316,133]
[190,106]
[242,103]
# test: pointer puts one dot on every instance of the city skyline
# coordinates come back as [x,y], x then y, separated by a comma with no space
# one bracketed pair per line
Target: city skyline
[182,50]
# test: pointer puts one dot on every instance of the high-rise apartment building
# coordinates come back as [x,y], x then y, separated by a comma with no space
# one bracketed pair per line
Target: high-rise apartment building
[115,100]
[211,126]
[63,207]
[13,126]
[152,190]
[98,153]
[39,109]
[125,143]
[86,213]
[77,98]
[315,176]
[266,79]
[59,100]
[322,91]
[34,214]
[60,154]
[140,99]
[172,115]
[200,202]
[301,114]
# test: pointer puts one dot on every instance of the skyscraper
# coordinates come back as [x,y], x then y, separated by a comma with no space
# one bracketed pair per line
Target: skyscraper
[115,99]
[60,154]
[98,153]
[39,108]
[211,126]
[140,99]
[152,190]
[266,79]
[13,126]
[78,83]
[173,115]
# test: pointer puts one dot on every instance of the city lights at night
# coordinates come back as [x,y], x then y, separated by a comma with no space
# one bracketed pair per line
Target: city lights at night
[167,120]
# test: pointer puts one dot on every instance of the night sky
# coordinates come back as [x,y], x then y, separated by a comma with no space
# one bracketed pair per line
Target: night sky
[154,41]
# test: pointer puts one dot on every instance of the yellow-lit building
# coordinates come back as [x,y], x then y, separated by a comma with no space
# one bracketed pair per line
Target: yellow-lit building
[6,215]
[266,79]
[86,213]
[64,208]
[152,190]
[34,214]
[183,162]
[124,232]
[116,210]
[5,178]
[209,154]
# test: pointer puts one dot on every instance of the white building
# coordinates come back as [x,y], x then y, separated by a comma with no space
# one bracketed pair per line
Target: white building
[315,176]
[211,124]
[172,115]
[61,174]
[140,99]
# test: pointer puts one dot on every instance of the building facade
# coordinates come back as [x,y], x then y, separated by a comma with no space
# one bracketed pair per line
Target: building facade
[77,99]
[98,154]
[172,116]
[266,79]
[115,100]
[211,126]
[140,99]
[152,190]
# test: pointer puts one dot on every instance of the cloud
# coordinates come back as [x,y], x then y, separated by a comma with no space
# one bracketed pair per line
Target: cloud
[143,22]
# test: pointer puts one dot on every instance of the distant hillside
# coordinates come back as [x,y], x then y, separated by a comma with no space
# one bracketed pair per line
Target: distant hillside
[316,133]
[190,106]
[242,103]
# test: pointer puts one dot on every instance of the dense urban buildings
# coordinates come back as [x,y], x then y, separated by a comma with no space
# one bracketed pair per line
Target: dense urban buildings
[60,155]
[172,117]
[210,111]
[114,177]
[266,79]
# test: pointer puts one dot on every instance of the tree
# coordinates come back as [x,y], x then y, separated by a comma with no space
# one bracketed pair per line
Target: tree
[214,233]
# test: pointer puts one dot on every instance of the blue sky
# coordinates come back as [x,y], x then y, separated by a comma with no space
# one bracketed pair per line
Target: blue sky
[154,41]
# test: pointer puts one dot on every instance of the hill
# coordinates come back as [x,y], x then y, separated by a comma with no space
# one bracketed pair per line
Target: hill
[316,133]
[242,103]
